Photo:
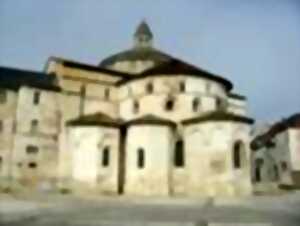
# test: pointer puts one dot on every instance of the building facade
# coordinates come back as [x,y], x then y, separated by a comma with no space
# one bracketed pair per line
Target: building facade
[276,156]
[140,123]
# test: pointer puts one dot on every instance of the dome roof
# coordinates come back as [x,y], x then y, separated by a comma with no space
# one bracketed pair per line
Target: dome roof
[141,51]
[176,67]
[135,54]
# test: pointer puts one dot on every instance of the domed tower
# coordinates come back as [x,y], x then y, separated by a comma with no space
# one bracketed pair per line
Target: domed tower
[140,57]
[143,36]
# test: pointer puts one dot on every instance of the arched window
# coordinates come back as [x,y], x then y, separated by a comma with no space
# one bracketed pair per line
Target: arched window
[257,174]
[182,86]
[141,158]
[179,154]
[30,149]
[106,93]
[149,88]
[105,157]
[257,166]
[169,105]
[36,97]
[238,154]
[196,104]
[136,107]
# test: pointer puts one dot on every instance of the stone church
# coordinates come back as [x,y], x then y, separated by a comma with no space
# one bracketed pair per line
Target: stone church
[141,123]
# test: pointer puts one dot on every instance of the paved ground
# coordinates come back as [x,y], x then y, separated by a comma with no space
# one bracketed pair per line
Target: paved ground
[58,210]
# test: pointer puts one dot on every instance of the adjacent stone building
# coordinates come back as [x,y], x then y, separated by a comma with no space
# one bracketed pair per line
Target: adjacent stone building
[277,154]
[140,123]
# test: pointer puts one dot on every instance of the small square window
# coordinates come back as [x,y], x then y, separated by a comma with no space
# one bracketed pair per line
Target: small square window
[169,105]
[283,166]
[32,165]
[30,149]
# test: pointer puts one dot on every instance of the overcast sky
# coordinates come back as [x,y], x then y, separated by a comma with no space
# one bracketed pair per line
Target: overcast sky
[254,43]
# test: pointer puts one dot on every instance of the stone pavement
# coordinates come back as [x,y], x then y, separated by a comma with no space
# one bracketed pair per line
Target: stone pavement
[75,211]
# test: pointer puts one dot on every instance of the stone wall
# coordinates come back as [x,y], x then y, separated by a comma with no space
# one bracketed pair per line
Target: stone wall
[237,106]
[209,154]
[8,106]
[282,154]
[166,88]
[294,145]
[151,174]
[91,169]
[35,148]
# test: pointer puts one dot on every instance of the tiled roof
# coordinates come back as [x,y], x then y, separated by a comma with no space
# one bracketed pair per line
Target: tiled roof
[88,67]
[279,127]
[150,120]
[13,79]
[175,67]
[101,119]
[237,96]
[95,119]
[218,116]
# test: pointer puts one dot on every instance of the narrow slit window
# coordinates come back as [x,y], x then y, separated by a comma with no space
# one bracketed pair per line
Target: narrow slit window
[1,163]
[237,154]
[218,103]
[141,158]
[1,126]
[106,156]
[106,93]
[149,88]
[257,174]
[179,154]
[196,104]
[34,125]
[182,86]
[136,107]
[36,98]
